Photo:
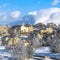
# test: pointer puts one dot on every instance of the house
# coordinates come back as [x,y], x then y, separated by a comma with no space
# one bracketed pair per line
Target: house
[3,30]
[43,31]
[49,30]
[15,30]
[26,28]
[9,40]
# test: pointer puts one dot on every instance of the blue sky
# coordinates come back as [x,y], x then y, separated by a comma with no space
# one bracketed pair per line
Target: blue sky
[26,6]
[14,9]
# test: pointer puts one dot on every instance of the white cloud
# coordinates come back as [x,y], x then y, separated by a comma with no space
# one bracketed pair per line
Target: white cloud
[33,13]
[15,14]
[48,15]
[54,18]
[3,16]
[6,18]
[55,2]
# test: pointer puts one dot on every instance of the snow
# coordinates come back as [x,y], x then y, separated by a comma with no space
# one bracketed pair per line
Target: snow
[4,54]
[31,59]
[2,47]
[43,50]
[36,29]
[23,36]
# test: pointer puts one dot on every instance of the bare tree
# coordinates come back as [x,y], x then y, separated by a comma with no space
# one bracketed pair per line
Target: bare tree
[19,51]
[55,43]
